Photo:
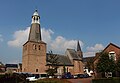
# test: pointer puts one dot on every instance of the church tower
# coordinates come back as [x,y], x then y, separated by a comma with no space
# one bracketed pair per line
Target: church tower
[80,55]
[34,50]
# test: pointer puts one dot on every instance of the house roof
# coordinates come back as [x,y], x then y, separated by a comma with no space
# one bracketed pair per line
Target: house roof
[12,65]
[112,45]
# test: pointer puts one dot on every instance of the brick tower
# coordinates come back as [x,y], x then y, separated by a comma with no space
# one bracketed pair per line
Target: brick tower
[34,50]
[80,62]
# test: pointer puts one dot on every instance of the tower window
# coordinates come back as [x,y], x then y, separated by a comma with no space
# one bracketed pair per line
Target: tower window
[34,46]
[39,47]
[37,19]
[34,18]
[36,70]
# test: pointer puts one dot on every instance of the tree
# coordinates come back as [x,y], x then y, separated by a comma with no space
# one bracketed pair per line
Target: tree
[118,67]
[105,64]
[64,69]
[90,64]
[52,60]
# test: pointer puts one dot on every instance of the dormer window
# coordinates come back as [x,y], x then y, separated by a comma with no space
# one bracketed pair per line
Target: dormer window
[112,55]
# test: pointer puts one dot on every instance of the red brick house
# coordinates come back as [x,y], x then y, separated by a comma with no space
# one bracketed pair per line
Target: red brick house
[113,51]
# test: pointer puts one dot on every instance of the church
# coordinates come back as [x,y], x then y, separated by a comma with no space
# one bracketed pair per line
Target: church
[34,57]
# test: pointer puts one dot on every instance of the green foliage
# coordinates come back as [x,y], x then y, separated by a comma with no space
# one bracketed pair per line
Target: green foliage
[14,78]
[118,65]
[106,80]
[64,69]
[105,64]
[51,72]
[90,64]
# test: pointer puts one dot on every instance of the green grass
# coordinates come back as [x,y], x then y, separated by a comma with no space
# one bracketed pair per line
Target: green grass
[51,81]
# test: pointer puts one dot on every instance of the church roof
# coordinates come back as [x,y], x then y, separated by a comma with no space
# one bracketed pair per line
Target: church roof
[35,33]
[35,30]
[73,54]
[62,59]
[35,13]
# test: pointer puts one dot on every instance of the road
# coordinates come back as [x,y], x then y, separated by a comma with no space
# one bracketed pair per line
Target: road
[82,80]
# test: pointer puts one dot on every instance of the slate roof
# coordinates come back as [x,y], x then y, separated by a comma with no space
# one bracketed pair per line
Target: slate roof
[35,33]
[78,47]
[11,65]
[62,59]
[73,54]
[85,59]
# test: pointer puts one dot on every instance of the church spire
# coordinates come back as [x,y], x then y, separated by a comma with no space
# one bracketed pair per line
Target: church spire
[79,51]
[35,17]
[35,31]
[78,46]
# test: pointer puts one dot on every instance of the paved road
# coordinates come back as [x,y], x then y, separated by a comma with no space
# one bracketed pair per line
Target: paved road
[82,80]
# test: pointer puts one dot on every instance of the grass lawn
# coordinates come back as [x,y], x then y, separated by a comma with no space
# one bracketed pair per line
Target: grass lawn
[51,81]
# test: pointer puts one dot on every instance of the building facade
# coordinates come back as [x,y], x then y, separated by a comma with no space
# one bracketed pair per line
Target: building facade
[34,58]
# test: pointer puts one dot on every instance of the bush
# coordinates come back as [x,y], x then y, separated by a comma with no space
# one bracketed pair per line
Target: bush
[106,80]
[14,78]
[2,75]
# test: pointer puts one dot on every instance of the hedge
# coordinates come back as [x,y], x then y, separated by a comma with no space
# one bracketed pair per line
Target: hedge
[106,80]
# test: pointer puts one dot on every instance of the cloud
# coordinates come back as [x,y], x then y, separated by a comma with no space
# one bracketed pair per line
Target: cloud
[1,38]
[88,54]
[60,44]
[97,47]
[93,49]
[19,38]
[57,45]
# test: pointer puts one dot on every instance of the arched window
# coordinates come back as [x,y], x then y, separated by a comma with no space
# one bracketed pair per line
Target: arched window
[36,70]
[34,18]
[34,46]
[37,18]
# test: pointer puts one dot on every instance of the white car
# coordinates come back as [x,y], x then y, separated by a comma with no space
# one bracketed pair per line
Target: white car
[31,78]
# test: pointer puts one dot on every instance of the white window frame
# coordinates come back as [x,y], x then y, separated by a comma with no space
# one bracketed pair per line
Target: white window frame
[114,55]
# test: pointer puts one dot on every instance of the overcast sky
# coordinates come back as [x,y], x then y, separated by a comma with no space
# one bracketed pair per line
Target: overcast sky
[95,23]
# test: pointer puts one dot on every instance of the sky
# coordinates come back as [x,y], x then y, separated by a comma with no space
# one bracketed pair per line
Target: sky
[95,23]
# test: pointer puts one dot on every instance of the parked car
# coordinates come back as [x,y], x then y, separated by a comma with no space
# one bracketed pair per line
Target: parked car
[86,75]
[83,75]
[67,75]
[80,75]
[31,78]
[75,76]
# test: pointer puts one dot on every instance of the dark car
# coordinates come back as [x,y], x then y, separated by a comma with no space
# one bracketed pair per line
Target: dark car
[80,75]
[83,75]
[67,75]
[86,75]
